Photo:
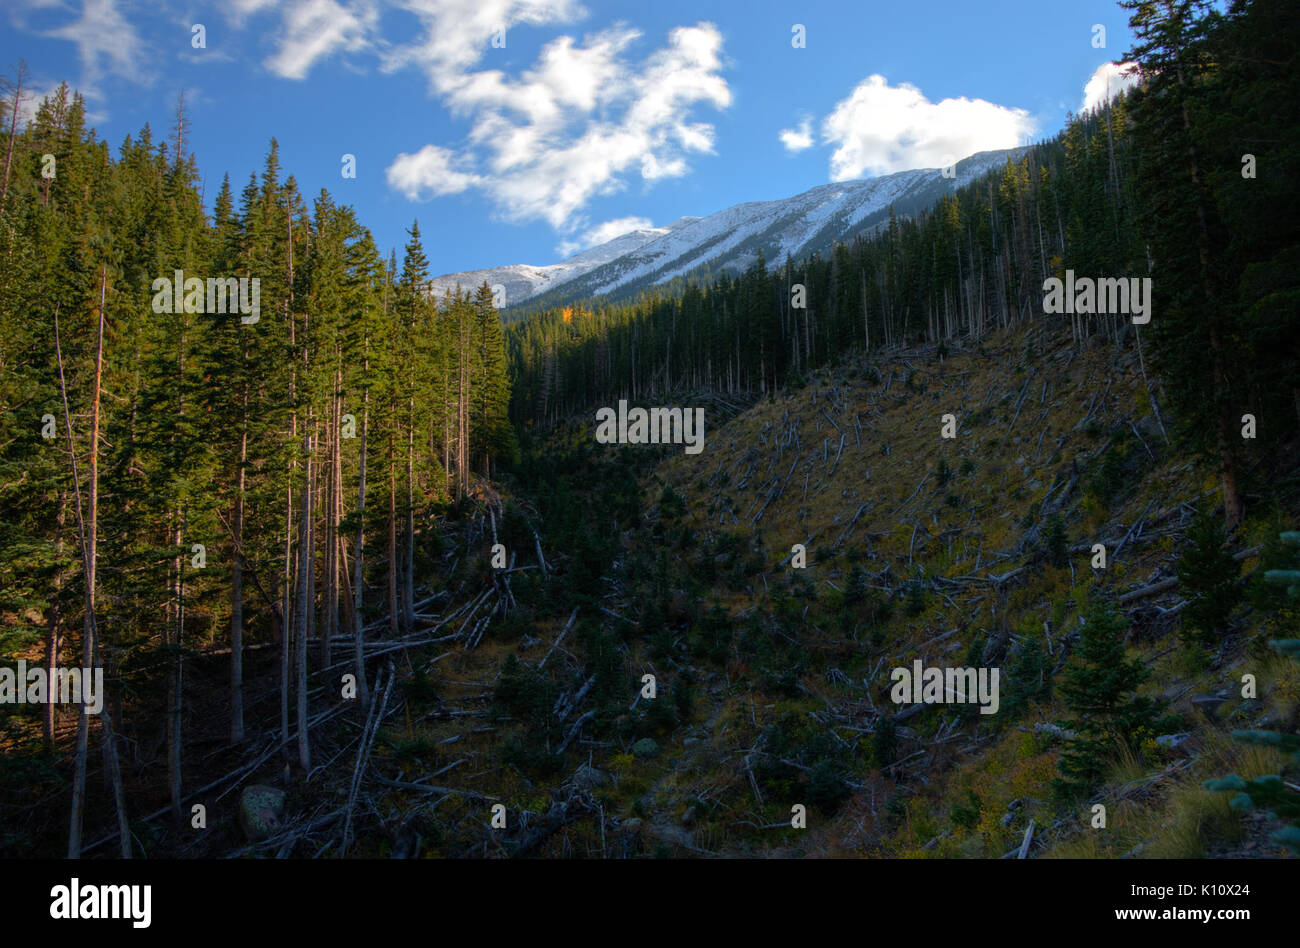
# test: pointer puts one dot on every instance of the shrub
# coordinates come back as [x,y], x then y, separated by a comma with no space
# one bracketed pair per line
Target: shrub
[1207,571]
[1100,687]
[943,473]
[884,742]
[1054,542]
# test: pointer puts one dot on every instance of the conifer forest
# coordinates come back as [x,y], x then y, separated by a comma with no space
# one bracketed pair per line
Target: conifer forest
[969,530]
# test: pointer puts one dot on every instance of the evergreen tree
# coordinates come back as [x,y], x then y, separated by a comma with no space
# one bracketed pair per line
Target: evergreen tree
[1099,687]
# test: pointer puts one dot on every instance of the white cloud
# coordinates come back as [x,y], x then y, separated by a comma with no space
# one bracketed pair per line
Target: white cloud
[430,172]
[106,43]
[237,11]
[457,33]
[797,139]
[1106,83]
[880,129]
[314,29]
[580,122]
[603,233]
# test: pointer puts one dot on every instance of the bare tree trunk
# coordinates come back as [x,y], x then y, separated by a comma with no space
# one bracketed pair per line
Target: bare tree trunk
[55,637]
[174,683]
[408,573]
[304,602]
[331,616]
[392,537]
[289,622]
[89,535]
[358,584]
[13,130]
[237,583]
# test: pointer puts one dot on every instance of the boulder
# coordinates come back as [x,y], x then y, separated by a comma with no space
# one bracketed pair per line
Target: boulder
[1176,744]
[587,777]
[645,748]
[260,810]
[1207,703]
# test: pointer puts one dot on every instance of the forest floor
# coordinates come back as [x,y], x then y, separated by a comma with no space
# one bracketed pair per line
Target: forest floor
[773,679]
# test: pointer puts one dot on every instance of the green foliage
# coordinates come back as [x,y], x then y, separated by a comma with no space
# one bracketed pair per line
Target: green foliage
[1054,542]
[826,788]
[1208,573]
[943,473]
[884,742]
[967,815]
[1112,480]
[1269,793]
[1099,687]
[1288,578]
[523,692]
[1028,679]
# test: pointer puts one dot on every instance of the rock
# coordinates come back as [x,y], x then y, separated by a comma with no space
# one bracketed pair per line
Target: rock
[645,748]
[1008,819]
[1175,743]
[673,835]
[1054,730]
[627,838]
[587,777]
[1207,704]
[260,809]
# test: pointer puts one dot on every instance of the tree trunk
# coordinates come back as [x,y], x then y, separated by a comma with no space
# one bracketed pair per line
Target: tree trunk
[237,582]
[305,608]
[392,537]
[358,647]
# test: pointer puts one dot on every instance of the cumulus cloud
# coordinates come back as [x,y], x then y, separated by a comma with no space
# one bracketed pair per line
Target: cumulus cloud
[603,233]
[106,44]
[880,129]
[797,139]
[591,115]
[430,172]
[237,11]
[583,121]
[1107,82]
[315,29]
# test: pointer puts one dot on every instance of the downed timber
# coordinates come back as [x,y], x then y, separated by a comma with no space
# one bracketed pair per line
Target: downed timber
[1029,838]
[914,493]
[573,615]
[1153,589]
[573,731]
[368,735]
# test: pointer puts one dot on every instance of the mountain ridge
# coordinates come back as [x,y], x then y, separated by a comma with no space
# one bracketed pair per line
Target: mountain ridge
[729,239]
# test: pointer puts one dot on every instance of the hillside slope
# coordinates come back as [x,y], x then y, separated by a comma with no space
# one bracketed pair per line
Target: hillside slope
[773,683]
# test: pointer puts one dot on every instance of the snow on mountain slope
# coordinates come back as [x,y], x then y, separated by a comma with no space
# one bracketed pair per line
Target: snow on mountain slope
[731,239]
[522,280]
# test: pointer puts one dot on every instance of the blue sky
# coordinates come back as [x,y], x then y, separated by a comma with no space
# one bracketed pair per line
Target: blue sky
[518,131]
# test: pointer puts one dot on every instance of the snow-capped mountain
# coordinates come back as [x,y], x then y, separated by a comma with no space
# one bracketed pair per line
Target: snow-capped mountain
[730,239]
[523,281]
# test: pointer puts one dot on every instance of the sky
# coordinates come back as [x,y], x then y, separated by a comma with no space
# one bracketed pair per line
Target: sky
[521,131]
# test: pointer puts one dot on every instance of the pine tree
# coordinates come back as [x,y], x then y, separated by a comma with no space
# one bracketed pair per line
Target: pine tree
[1208,573]
[1099,687]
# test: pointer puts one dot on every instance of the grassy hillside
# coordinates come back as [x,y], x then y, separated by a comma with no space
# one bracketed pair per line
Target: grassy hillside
[773,681]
